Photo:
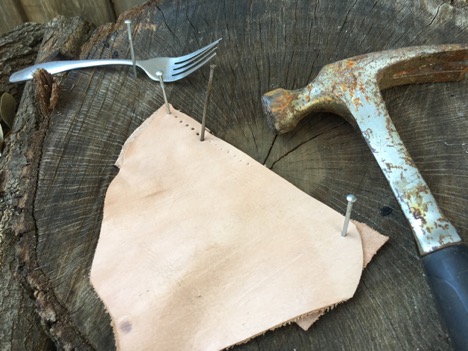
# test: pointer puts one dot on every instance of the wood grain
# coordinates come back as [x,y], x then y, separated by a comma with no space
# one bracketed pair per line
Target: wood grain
[95,11]
[16,12]
[266,44]
[20,327]
[124,5]
[11,14]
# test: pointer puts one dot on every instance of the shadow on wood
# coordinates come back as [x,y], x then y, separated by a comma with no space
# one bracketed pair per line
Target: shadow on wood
[265,45]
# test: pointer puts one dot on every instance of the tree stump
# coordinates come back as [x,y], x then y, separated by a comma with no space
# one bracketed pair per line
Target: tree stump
[67,163]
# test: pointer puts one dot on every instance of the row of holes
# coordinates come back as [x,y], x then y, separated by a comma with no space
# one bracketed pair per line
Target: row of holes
[227,151]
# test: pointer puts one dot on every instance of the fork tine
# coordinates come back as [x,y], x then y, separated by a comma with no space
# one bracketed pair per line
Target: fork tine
[194,60]
[187,57]
[191,69]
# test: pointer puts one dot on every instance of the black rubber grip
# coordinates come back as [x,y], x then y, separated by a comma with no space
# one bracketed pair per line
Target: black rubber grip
[447,273]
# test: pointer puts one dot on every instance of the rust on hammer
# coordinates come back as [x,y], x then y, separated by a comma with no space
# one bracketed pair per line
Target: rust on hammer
[351,88]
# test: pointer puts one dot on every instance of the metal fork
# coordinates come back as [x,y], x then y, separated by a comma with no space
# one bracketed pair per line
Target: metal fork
[173,68]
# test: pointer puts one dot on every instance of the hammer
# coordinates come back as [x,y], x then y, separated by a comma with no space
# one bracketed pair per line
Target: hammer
[351,89]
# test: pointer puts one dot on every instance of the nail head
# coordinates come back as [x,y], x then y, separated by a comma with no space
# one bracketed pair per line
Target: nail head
[351,198]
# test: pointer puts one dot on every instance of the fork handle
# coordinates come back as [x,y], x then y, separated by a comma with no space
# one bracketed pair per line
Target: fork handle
[62,66]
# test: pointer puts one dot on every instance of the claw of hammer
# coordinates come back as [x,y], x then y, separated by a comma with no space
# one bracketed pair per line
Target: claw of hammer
[343,86]
[351,88]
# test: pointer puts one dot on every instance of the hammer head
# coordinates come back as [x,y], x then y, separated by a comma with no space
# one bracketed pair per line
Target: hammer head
[351,88]
[342,85]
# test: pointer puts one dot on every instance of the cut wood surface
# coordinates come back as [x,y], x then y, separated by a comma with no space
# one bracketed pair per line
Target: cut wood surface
[266,44]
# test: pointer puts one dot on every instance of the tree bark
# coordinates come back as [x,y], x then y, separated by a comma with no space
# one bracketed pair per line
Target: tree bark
[18,49]
[66,160]
[21,327]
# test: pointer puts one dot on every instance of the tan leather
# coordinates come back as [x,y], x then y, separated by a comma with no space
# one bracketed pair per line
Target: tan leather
[372,241]
[202,247]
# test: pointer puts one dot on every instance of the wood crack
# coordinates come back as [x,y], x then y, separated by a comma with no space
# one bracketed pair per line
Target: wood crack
[165,21]
[427,25]
[270,148]
[303,143]
[98,112]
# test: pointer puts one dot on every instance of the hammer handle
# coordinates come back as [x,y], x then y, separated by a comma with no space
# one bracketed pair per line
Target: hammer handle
[447,273]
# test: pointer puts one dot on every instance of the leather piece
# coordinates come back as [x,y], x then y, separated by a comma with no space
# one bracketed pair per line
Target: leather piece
[201,247]
[372,241]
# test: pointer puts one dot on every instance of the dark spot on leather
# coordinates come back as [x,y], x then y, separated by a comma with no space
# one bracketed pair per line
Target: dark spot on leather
[126,327]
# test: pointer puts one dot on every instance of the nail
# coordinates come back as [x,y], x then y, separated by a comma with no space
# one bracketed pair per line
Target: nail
[207,99]
[351,200]
[160,75]
[132,51]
